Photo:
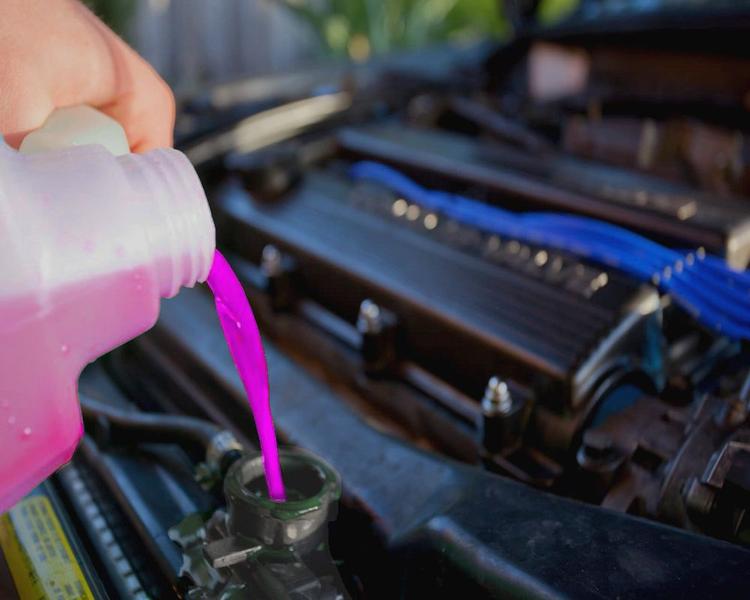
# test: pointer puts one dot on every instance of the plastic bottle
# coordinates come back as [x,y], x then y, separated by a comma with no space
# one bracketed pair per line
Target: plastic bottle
[89,243]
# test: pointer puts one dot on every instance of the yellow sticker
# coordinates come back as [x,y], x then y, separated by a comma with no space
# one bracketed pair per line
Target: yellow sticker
[38,553]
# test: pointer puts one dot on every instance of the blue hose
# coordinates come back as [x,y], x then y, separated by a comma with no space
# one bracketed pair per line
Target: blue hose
[703,285]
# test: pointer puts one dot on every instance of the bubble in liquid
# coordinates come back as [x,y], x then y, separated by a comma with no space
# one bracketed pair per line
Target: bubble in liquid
[11,420]
[64,348]
[27,431]
[239,325]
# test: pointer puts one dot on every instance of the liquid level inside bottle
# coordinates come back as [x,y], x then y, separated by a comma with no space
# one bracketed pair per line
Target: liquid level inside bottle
[46,338]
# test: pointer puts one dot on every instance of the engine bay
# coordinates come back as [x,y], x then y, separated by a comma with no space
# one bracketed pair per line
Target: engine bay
[504,416]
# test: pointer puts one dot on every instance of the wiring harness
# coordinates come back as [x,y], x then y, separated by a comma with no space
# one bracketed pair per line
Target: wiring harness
[714,294]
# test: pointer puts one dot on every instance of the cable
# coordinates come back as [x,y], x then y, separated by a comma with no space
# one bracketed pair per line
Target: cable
[201,438]
[703,285]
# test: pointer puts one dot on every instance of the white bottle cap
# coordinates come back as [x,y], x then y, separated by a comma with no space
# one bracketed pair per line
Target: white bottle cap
[76,126]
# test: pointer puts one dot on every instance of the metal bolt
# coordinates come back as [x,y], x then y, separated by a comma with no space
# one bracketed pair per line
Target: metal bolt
[370,318]
[698,497]
[222,443]
[399,207]
[271,261]
[497,398]
[598,447]
[732,414]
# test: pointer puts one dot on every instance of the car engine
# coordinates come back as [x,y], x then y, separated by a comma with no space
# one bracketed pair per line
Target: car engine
[467,411]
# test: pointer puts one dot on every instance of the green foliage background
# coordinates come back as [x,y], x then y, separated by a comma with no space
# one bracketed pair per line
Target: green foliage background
[360,28]
[392,24]
[115,13]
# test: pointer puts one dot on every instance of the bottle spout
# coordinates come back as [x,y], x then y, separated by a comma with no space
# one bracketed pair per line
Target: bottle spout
[177,218]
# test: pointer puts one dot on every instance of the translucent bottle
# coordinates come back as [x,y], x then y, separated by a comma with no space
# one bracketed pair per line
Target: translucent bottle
[89,243]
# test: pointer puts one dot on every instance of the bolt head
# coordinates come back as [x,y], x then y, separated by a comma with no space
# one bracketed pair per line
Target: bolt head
[699,497]
[497,398]
[271,260]
[370,317]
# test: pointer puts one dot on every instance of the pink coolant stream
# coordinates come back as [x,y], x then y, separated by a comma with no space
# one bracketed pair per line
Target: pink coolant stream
[246,348]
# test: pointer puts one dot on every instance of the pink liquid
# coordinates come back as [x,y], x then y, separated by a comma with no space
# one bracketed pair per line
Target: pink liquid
[246,348]
[46,341]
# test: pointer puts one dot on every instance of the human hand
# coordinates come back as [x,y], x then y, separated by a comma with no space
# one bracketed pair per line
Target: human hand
[57,53]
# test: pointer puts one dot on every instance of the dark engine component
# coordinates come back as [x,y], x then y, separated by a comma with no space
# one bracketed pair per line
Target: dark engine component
[483,535]
[546,320]
[519,178]
[685,465]
[260,549]
[560,330]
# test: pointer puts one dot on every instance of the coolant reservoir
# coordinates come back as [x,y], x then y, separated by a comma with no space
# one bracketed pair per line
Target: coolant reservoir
[262,549]
[89,243]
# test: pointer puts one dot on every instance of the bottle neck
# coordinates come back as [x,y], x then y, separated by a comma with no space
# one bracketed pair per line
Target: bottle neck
[175,215]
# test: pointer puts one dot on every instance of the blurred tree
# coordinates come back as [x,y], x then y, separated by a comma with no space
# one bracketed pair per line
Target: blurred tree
[359,28]
[551,11]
